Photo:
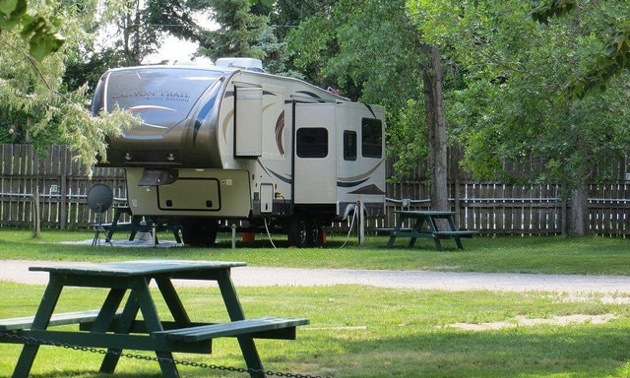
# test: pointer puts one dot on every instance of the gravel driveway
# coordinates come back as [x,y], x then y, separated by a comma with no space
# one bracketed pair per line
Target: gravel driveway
[17,271]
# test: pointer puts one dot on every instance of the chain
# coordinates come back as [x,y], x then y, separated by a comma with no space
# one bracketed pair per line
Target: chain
[32,340]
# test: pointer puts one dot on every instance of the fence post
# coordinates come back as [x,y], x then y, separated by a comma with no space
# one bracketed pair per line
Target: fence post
[563,219]
[36,213]
[457,204]
[63,190]
[361,219]
[63,205]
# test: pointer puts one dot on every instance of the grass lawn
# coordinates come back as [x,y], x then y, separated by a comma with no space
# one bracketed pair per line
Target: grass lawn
[361,331]
[551,255]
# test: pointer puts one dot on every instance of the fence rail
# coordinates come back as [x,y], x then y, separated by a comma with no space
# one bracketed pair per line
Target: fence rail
[491,208]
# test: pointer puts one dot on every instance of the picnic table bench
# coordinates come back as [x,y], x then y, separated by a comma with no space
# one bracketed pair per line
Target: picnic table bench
[118,330]
[78,317]
[425,225]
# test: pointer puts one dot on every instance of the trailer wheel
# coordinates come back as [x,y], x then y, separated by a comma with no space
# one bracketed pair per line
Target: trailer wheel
[314,233]
[199,233]
[298,232]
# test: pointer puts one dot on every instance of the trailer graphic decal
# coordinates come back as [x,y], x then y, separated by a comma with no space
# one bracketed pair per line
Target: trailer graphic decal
[279,131]
[369,190]
[343,184]
[270,172]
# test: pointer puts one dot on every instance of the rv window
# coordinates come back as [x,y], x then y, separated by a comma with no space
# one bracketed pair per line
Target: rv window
[97,102]
[161,96]
[371,138]
[349,145]
[312,142]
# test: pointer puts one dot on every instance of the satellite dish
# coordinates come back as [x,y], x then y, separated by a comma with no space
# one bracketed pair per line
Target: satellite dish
[100,198]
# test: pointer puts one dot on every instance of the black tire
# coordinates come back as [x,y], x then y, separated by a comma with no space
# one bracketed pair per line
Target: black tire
[298,232]
[314,233]
[199,232]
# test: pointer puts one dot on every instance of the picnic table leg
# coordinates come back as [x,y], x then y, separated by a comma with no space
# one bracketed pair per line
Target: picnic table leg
[451,222]
[433,229]
[173,301]
[108,310]
[42,318]
[110,361]
[459,242]
[412,241]
[417,227]
[392,238]
[438,243]
[235,311]
[153,323]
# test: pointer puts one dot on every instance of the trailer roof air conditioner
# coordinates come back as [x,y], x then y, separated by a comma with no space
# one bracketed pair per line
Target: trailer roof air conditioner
[250,64]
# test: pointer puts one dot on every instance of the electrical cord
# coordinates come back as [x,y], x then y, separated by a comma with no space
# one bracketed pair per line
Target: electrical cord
[269,234]
[354,216]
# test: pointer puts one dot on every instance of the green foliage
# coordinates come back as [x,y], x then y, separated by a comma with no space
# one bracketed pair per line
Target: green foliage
[407,142]
[239,33]
[544,10]
[87,134]
[513,108]
[607,63]
[312,45]
[170,16]
[37,30]
[370,51]
[85,66]
[34,108]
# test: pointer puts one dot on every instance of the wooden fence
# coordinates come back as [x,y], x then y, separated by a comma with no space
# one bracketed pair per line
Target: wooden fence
[61,182]
[491,208]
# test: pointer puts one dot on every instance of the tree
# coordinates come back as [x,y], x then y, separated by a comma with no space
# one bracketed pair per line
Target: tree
[135,28]
[33,104]
[132,30]
[373,52]
[36,29]
[434,99]
[287,15]
[239,33]
[514,106]
[616,38]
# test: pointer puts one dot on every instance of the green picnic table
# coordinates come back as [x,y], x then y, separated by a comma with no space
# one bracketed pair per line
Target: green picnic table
[115,330]
[425,225]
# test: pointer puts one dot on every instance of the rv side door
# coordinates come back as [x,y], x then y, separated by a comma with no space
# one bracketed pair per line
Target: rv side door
[315,149]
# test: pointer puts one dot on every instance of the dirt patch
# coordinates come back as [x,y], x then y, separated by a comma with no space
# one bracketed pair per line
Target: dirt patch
[582,298]
[522,321]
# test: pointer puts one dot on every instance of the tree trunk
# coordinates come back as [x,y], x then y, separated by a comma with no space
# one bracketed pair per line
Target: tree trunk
[578,215]
[436,121]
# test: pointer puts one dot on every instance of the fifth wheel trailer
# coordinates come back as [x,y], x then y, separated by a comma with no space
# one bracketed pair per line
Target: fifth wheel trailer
[219,144]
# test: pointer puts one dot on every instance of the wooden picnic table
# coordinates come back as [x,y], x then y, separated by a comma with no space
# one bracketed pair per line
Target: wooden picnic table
[425,225]
[116,330]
